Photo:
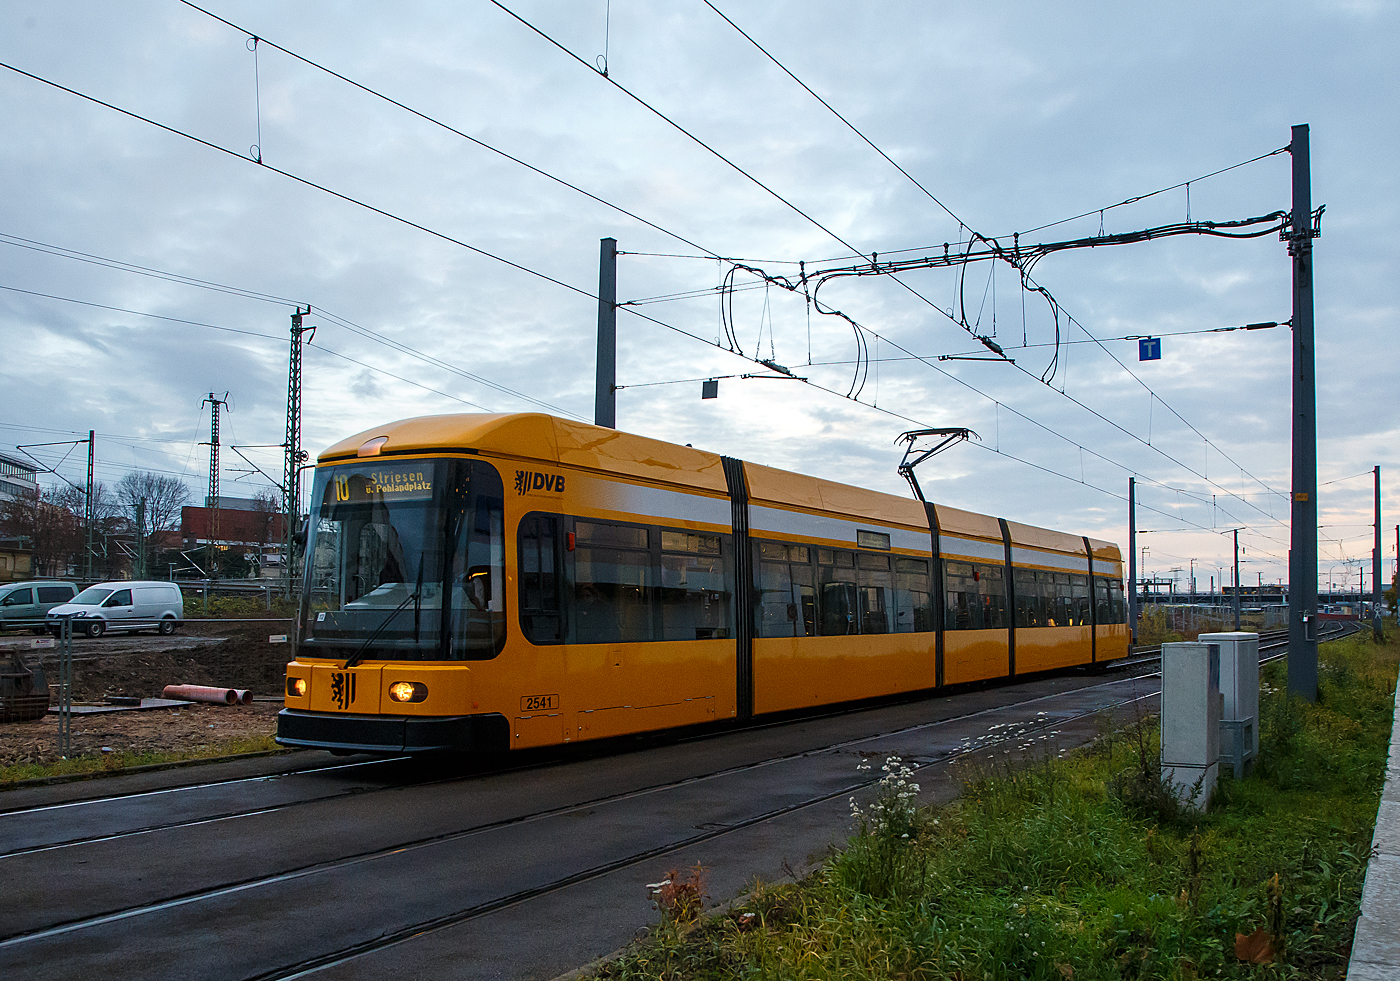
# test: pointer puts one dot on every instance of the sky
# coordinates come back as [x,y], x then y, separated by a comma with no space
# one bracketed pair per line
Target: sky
[446,277]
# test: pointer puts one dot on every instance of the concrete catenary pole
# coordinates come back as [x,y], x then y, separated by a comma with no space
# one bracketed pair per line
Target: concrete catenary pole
[1302,555]
[1132,559]
[140,539]
[605,397]
[1376,568]
[87,511]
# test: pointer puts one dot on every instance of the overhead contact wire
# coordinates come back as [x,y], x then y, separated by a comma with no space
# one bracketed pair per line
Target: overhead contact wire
[672,123]
[449,128]
[525,269]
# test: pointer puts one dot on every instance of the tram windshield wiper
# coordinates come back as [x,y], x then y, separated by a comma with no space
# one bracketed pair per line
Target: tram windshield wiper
[410,598]
[417,601]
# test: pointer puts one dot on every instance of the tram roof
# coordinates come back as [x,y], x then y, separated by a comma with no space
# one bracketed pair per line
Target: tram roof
[535,436]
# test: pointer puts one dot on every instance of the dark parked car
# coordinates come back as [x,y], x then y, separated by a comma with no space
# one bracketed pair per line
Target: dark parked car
[23,605]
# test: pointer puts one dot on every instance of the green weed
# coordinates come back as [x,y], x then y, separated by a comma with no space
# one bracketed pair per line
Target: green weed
[237,607]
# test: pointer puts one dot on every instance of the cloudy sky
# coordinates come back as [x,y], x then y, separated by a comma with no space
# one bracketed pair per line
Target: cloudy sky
[1010,116]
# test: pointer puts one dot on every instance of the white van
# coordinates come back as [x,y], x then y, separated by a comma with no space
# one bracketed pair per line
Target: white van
[129,606]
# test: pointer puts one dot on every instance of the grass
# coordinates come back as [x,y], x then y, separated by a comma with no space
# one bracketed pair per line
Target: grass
[237,607]
[1080,870]
[118,761]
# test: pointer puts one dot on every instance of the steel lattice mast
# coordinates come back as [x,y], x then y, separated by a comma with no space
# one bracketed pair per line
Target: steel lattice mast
[291,482]
[212,500]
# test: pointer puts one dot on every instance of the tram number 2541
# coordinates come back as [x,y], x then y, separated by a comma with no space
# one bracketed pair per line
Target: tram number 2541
[539,703]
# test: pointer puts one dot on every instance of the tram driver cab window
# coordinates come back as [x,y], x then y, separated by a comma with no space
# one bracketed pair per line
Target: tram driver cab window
[478,613]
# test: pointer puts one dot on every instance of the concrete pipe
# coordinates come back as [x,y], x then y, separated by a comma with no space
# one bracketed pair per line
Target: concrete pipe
[202,693]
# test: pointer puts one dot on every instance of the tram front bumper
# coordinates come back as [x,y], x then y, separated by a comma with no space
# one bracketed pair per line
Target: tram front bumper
[389,734]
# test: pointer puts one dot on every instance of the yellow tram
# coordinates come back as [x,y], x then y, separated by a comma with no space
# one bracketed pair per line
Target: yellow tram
[478,582]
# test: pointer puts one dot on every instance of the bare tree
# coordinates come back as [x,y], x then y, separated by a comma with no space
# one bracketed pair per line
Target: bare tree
[110,528]
[51,522]
[163,497]
[267,506]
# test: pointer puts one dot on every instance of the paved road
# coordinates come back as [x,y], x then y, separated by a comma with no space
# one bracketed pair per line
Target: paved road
[380,869]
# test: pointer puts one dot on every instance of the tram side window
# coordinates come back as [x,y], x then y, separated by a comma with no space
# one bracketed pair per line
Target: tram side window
[1079,590]
[540,617]
[913,596]
[1118,600]
[839,606]
[787,603]
[853,593]
[976,594]
[1064,600]
[693,593]
[992,583]
[1033,607]
[876,587]
[1045,585]
[612,599]
[1103,602]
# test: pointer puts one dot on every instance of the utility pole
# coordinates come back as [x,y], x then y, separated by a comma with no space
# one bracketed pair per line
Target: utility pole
[605,396]
[1132,558]
[212,500]
[1237,579]
[1376,568]
[291,484]
[1302,555]
[141,539]
[87,512]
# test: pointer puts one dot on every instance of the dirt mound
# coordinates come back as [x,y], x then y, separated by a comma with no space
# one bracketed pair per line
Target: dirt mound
[195,729]
[203,652]
[230,655]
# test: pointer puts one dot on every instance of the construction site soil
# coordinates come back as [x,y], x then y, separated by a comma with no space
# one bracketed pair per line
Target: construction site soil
[227,654]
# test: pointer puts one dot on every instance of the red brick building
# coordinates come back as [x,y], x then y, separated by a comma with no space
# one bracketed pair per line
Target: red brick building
[236,527]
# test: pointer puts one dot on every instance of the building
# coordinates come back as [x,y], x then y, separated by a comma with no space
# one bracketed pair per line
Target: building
[254,529]
[17,478]
[16,561]
[241,504]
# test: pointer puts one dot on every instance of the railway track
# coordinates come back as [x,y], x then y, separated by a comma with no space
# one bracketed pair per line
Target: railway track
[1006,732]
[384,769]
[1273,640]
[1276,641]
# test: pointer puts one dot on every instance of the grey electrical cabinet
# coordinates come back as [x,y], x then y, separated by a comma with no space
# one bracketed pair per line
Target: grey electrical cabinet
[1191,710]
[1239,687]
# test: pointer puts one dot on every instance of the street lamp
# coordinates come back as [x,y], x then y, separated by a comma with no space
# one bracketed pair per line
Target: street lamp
[1331,588]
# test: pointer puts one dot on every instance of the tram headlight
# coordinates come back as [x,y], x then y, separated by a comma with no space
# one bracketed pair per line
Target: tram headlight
[408,691]
[296,687]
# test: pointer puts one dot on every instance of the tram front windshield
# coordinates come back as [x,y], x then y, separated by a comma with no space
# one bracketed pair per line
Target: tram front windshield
[405,561]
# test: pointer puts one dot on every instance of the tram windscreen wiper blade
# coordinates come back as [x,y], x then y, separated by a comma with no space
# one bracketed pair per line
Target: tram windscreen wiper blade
[355,658]
[417,602]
